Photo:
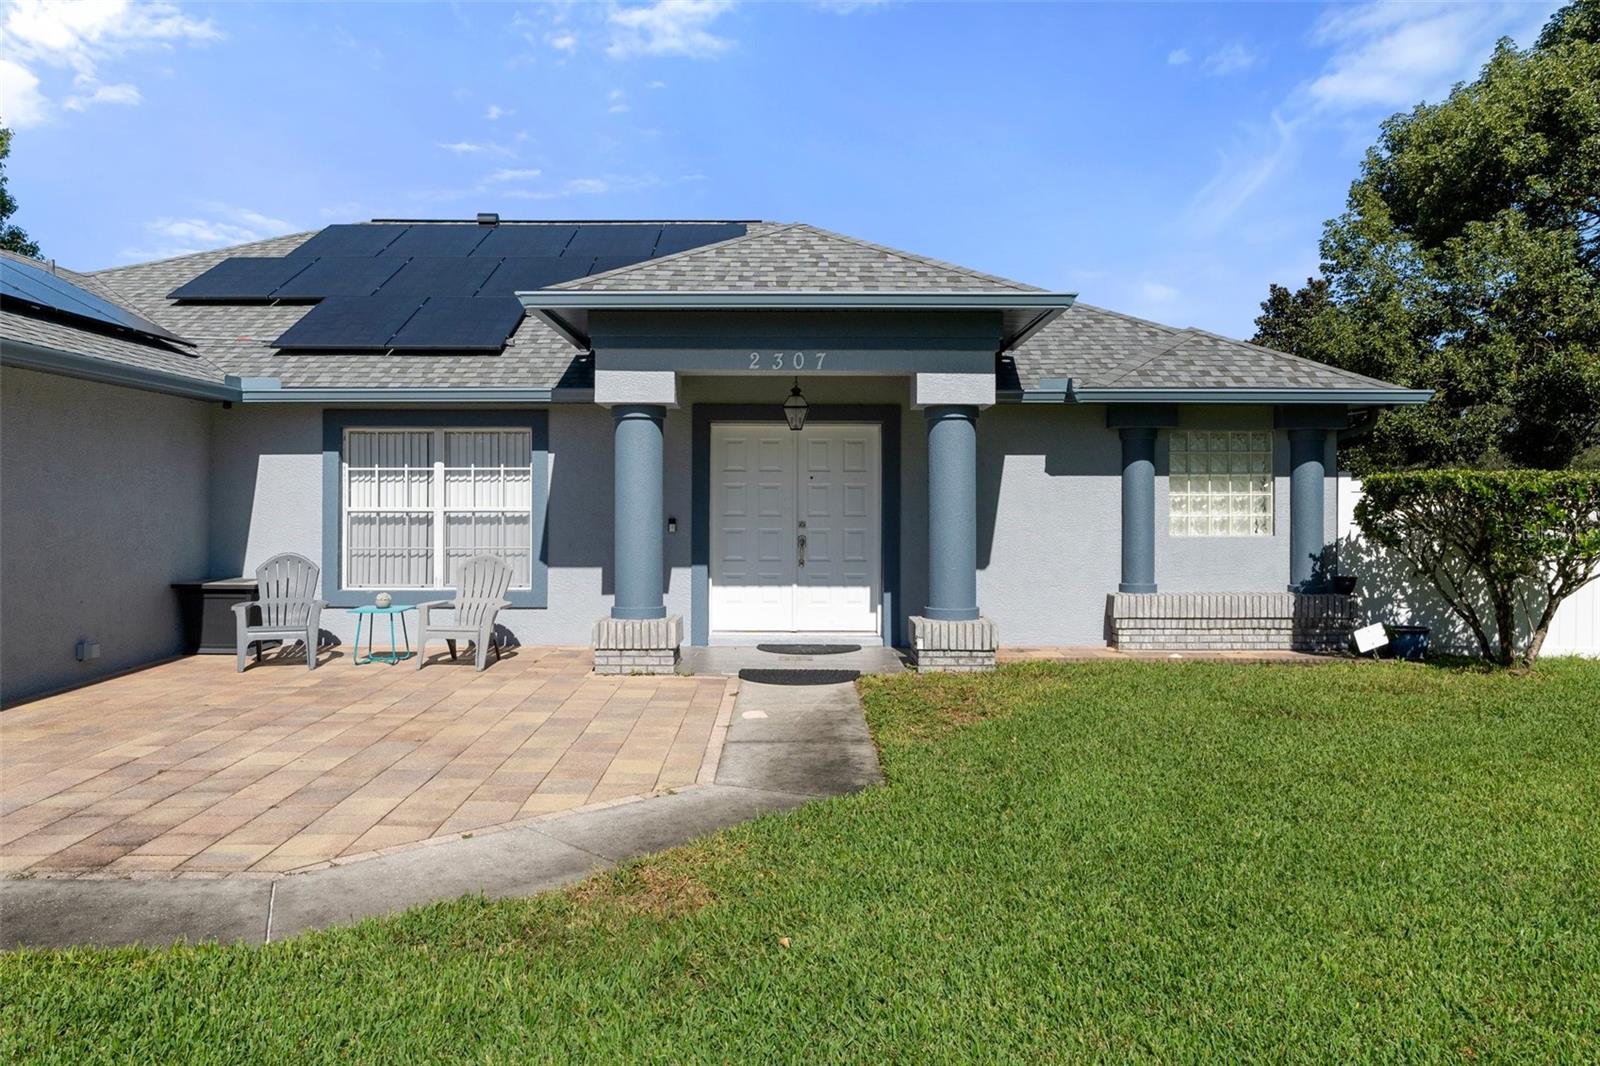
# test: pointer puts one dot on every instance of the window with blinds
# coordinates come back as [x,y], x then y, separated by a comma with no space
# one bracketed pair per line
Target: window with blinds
[1220,483]
[417,502]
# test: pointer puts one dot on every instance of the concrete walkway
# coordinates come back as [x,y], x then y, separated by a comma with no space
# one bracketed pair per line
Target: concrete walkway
[784,746]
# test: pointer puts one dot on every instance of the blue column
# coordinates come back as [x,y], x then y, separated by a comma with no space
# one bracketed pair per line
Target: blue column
[952,512]
[639,578]
[1138,509]
[1307,449]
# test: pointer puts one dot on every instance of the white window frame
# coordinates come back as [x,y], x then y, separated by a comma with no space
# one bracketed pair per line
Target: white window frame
[1175,514]
[440,512]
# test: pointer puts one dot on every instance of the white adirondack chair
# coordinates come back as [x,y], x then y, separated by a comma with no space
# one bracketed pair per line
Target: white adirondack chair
[481,584]
[287,585]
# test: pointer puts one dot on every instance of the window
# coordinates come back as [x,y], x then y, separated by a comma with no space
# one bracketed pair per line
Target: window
[417,502]
[1220,483]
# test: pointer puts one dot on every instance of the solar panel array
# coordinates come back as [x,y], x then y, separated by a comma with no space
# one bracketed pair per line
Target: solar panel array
[42,290]
[429,268]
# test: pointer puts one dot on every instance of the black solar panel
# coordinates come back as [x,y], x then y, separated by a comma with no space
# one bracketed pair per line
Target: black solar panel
[621,239]
[681,236]
[37,287]
[440,239]
[521,275]
[531,241]
[350,323]
[241,279]
[435,276]
[339,276]
[457,323]
[358,238]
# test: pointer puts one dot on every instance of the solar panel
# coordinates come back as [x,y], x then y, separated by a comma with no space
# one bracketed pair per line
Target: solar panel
[434,276]
[441,239]
[358,238]
[339,276]
[525,240]
[242,278]
[523,274]
[350,323]
[457,323]
[681,236]
[39,288]
[629,239]
[603,263]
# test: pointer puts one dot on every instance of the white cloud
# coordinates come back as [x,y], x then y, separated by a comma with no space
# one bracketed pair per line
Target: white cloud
[588,186]
[474,148]
[619,101]
[494,112]
[1242,172]
[1396,55]
[1154,292]
[668,28]
[81,37]
[21,103]
[214,225]
[658,85]
[505,174]
[562,40]
[1229,59]
[1178,57]
[128,95]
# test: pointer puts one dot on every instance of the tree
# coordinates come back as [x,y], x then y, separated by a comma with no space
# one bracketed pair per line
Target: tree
[1468,261]
[1504,548]
[12,237]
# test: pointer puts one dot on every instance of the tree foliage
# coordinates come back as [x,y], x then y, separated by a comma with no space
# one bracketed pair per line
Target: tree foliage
[1468,261]
[12,237]
[1504,548]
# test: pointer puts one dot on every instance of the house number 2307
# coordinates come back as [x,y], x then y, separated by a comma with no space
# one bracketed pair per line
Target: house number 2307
[787,360]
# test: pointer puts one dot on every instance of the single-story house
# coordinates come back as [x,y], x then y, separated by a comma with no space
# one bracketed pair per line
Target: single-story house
[678,433]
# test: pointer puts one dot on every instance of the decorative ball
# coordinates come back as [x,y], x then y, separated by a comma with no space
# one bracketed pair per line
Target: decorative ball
[384,599]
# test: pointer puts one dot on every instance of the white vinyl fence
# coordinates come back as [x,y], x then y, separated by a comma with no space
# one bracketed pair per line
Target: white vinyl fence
[1388,593]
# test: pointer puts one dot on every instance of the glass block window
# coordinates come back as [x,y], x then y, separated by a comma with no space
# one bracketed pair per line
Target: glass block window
[417,502]
[1220,483]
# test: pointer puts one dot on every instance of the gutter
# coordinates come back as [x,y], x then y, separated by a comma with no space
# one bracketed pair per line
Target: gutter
[271,390]
[29,356]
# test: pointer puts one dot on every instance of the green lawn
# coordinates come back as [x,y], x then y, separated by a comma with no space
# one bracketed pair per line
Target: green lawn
[1100,861]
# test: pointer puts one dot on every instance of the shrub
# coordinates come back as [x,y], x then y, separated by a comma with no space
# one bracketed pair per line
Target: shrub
[1503,547]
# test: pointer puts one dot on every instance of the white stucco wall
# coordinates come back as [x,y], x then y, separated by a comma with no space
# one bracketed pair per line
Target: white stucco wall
[1048,505]
[103,504]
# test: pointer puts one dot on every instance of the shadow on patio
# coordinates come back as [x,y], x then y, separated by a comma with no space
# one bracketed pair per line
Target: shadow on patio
[188,767]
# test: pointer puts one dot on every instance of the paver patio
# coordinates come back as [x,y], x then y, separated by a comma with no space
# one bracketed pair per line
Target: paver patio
[188,767]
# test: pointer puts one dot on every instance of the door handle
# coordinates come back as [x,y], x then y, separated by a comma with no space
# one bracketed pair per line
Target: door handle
[800,548]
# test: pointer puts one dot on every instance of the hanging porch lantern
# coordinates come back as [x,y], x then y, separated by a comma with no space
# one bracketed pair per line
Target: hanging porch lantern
[795,407]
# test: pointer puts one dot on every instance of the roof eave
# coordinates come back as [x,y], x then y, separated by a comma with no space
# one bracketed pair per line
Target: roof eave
[29,356]
[566,310]
[1356,396]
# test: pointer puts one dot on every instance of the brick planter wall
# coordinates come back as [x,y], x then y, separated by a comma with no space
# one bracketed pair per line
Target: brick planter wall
[1231,621]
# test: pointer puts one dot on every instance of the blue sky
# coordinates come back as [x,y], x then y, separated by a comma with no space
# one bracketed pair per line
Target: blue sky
[1163,160]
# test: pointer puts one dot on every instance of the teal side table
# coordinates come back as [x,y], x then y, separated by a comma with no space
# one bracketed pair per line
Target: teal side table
[371,612]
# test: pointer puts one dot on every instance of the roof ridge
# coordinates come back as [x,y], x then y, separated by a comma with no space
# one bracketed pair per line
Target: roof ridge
[1291,357]
[1183,336]
[913,256]
[228,250]
[778,227]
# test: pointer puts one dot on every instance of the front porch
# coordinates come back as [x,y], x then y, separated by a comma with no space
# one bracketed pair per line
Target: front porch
[190,768]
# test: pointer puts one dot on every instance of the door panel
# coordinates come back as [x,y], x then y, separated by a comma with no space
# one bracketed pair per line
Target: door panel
[771,486]
[753,547]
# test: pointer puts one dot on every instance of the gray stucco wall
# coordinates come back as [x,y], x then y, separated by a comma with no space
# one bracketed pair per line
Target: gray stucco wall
[1048,508]
[103,503]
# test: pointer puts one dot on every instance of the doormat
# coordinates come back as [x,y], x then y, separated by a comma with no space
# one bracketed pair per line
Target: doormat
[799,677]
[808,649]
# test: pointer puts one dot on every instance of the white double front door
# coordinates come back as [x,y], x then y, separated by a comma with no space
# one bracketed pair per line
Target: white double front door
[795,535]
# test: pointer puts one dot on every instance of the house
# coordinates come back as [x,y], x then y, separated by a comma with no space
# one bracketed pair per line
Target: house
[608,405]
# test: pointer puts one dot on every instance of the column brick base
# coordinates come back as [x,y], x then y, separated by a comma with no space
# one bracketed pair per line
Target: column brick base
[1231,621]
[644,646]
[953,647]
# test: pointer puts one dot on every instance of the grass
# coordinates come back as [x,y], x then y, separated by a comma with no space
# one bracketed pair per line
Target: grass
[1207,862]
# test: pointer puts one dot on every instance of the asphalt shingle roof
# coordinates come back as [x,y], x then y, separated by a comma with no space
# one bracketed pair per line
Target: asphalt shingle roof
[795,257]
[1094,347]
